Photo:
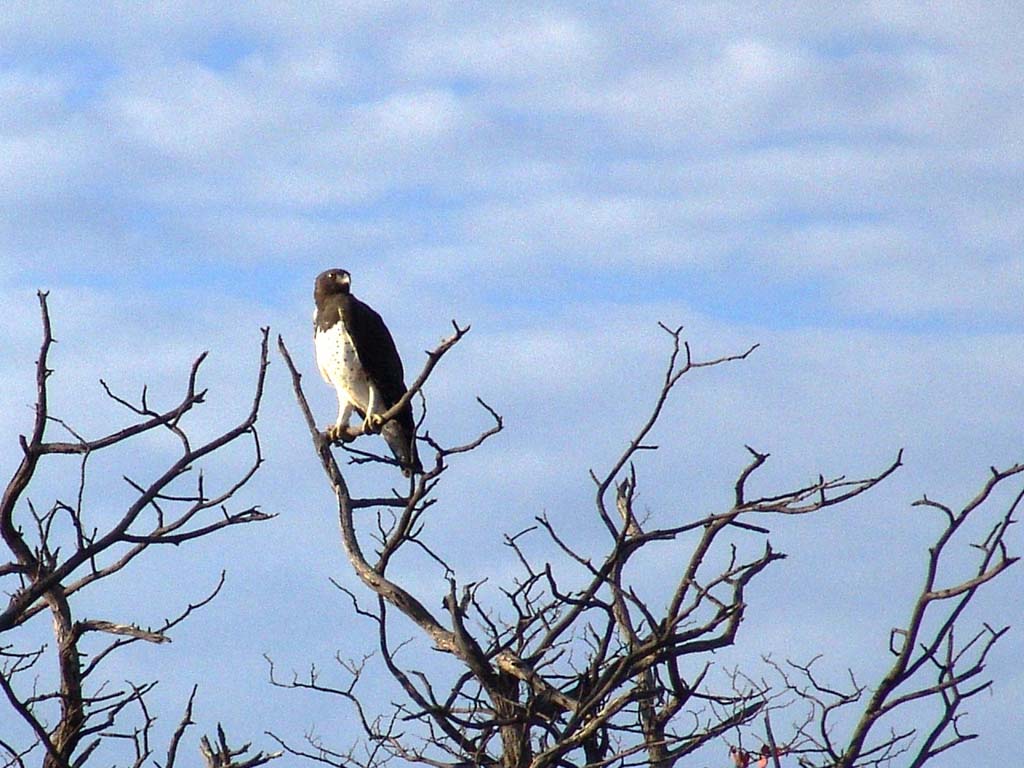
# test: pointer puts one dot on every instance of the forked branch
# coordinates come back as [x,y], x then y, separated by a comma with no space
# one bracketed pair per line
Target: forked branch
[70,548]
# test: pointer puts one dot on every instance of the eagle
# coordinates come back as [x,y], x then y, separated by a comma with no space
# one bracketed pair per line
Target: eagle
[357,356]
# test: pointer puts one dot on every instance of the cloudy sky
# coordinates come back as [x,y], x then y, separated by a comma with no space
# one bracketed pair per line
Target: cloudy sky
[839,182]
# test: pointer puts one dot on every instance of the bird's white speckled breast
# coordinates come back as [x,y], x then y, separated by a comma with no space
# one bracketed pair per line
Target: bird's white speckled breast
[339,364]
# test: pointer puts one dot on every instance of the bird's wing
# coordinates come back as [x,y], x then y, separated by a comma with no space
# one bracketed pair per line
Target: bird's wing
[376,350]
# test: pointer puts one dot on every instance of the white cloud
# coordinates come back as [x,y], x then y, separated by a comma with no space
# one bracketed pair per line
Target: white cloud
[48,148]
[405,124]
[315,67]
[967,287]
[585,230]
[508,46]
[276,139]
[185,113]
[30,100]
[708,144]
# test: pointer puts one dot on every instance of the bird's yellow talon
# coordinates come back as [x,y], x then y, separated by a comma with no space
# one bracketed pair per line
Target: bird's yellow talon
[339,434]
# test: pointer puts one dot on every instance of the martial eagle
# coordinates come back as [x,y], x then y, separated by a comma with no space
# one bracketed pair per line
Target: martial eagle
[357,356]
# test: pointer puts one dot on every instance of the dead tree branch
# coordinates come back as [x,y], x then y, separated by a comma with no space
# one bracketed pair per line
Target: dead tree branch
[58,553]
[583,661]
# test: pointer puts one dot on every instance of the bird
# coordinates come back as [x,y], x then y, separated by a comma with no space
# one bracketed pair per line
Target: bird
[358,357]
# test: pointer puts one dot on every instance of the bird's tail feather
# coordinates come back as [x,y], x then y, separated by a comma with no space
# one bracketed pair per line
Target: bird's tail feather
[402,442]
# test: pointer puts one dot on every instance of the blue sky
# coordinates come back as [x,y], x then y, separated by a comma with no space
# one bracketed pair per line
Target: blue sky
[837,181]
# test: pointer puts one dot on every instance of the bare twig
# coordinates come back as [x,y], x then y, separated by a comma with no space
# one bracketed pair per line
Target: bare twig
[54,562]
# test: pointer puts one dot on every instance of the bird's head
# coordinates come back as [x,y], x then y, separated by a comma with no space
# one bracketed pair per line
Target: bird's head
[331,282]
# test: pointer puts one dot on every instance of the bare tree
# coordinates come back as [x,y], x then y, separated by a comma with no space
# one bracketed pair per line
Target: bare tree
[582,662]
[579,660]
[64,549]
